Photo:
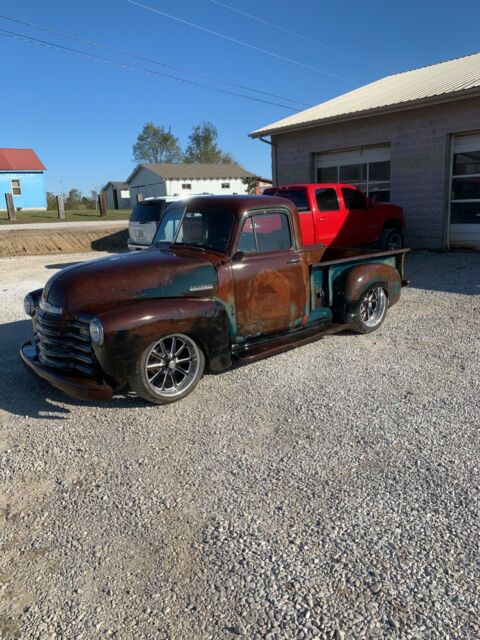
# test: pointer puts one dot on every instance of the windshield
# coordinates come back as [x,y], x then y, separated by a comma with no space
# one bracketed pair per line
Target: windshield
[207,227]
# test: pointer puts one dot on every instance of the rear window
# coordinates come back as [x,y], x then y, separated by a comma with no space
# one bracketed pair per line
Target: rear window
[297,196]
[147,212]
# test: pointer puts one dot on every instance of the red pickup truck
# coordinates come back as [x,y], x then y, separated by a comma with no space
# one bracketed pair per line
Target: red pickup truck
[341,215]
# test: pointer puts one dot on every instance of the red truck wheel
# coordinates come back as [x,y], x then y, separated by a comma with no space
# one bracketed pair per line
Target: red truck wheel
[391,240]
[371,310]
[169,369]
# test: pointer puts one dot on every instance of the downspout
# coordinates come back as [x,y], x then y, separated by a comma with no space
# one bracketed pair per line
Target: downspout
[274,159]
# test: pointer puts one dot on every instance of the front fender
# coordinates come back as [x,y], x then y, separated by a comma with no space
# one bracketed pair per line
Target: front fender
[357,279]
[130,328]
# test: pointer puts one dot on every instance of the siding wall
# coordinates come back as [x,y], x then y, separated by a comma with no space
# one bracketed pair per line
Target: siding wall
[123,203]
[420,142]
[33,189]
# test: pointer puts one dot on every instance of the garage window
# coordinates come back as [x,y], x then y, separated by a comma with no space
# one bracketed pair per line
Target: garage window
[367,168]
[186,185]
[465,192]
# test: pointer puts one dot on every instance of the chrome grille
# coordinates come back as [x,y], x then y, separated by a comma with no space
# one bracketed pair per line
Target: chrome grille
[63,344]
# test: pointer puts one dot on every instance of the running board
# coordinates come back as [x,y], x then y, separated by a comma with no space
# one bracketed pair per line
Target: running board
[253,351]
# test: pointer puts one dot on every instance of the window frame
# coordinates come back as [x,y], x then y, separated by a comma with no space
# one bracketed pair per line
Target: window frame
[19,187]
[260,212]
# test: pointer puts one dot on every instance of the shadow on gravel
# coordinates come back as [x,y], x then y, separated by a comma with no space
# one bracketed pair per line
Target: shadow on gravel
[448,271]
[23,394]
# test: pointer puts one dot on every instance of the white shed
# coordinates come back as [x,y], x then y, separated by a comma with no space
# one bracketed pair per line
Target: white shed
[154,180]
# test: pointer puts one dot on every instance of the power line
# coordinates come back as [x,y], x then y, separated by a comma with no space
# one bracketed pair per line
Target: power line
[240,42]
[289,31]
[143,59]
[123,65]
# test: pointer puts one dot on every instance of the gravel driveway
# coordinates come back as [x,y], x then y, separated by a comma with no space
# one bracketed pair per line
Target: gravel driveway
[329,492]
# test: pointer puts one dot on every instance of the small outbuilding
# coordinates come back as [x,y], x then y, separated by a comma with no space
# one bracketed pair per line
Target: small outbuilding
[118,195]
[154,180]
[412,138]
[22,175]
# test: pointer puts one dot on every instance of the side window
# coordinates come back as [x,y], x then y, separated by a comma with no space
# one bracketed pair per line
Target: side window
[265,232]
[247,239]
[297,196]
[354,199]
[327,199]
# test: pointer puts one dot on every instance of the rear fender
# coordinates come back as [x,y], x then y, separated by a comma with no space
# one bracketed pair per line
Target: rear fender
[130,328]
[357,280]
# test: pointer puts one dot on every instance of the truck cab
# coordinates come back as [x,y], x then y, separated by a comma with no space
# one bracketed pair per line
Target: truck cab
[341,215]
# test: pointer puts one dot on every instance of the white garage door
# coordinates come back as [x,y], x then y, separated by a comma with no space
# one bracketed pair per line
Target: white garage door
[465,193]
[367,168]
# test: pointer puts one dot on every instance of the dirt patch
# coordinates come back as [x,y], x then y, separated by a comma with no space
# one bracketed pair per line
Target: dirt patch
[45,242]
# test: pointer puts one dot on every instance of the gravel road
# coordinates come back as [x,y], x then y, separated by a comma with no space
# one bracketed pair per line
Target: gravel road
[330,492]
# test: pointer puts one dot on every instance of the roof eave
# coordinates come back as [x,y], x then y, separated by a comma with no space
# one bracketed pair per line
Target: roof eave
[358,115]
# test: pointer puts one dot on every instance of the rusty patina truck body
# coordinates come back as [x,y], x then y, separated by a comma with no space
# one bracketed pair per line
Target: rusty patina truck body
[226,279]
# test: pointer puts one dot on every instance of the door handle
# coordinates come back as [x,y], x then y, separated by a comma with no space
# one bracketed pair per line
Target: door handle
[293,261]
[322,219]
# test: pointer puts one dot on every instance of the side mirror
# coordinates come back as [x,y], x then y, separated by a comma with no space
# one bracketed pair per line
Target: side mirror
[238,256]
[374,200]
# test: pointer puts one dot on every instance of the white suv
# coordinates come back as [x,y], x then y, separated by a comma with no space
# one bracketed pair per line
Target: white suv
[145,218]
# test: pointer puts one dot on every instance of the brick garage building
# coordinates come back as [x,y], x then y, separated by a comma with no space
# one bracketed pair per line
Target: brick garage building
[412,138]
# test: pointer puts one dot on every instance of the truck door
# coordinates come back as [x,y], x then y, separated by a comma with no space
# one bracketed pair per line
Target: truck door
[329,217]
[269,281]
[361,222]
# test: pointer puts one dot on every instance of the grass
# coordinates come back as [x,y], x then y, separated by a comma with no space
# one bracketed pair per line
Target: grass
[83,215]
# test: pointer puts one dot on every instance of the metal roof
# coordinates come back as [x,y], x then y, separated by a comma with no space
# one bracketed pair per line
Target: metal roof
[192,171]
[435,83]
[116,185]
[20,160]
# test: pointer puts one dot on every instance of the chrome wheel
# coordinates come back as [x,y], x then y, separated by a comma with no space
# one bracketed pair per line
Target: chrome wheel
[172,365]
[373,307]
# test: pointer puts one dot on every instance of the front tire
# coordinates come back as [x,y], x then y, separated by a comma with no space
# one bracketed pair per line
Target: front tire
[169,369]
[371,310]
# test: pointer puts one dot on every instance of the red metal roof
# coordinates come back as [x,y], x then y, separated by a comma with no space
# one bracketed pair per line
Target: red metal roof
[20,160]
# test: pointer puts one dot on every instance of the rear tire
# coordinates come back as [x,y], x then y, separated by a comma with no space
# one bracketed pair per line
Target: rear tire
[371,310]
[391,240]
[168,369]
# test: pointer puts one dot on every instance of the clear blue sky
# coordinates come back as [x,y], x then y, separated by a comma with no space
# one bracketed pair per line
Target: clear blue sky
[82,116]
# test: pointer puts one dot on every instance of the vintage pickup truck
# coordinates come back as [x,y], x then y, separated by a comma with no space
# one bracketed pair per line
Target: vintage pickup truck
[341,215]
[226,279]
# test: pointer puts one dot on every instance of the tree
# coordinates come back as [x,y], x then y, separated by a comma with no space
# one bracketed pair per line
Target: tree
[202,146]
[156,144]
[251,183]
[51,201]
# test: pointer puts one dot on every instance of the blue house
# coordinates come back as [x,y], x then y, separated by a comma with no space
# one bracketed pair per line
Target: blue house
[22,175]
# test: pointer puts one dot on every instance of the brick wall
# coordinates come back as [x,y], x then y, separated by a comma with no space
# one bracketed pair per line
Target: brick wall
[420,142]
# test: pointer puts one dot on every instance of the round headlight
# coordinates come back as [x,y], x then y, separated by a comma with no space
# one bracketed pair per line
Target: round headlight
[96,331]
[28,305]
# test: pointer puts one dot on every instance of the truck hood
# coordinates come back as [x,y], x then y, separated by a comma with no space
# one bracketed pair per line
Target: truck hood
[97,284]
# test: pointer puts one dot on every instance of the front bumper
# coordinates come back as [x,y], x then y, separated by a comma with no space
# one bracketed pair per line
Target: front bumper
[81,388]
